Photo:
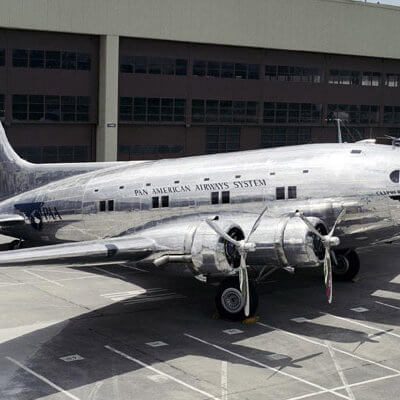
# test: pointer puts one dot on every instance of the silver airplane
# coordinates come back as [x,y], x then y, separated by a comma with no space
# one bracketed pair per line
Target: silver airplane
[229,218]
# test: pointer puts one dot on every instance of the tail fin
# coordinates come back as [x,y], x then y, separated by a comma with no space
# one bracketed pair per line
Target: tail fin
[18,175]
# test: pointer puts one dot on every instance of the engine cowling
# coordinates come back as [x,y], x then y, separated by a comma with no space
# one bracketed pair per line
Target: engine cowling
[284,241]
[211,253]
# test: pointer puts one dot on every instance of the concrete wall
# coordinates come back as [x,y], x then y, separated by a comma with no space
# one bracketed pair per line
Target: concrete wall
[330,26]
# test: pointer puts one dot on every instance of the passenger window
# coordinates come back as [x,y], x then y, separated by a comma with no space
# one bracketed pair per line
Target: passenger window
[225,197]
[110,205]
[394,176]
[292,192]
[102,205]
[214,197]
[155,202]
[280,193]
[165,201]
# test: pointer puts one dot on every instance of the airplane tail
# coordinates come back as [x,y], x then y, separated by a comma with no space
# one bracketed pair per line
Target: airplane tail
[18,175]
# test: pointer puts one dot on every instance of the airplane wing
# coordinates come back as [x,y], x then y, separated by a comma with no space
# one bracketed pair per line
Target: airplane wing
[11,219]
[82,253]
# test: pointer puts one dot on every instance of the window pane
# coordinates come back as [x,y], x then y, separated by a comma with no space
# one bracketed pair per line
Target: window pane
[20,107]
[20,58]
[52,108]
[83,61]
[68,60]
[36,59]
[53,59]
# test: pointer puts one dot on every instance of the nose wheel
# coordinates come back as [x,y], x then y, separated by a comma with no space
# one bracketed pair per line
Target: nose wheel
[230,302]
[346,265]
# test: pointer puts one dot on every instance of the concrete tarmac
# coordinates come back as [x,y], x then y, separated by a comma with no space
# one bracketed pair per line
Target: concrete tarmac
[117,332]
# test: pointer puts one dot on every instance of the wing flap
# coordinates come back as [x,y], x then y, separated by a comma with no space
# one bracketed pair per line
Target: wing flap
[81,253]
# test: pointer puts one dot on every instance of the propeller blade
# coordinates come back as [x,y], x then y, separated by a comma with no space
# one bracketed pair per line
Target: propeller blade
[328,274]
[310,226]
[338,221]
[257,223]
[221,233]
[244,284]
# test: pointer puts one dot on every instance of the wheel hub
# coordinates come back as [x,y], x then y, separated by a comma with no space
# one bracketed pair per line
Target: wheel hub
[232,300]
[342,265]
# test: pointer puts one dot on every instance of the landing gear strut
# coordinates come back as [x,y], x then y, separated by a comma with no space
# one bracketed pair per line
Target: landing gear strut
[346,265]
[230,302]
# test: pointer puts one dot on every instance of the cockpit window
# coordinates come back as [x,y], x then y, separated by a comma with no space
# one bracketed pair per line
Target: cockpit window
[394,176]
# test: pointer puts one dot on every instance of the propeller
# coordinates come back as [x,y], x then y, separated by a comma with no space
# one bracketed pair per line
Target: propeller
[328,241]
[243,247]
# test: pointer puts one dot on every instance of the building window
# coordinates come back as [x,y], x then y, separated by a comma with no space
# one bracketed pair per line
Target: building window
[36,59]
[222,139]
[224,111]
[292,113]
[292,73]
[50,108]
[141,109]
[345,77]
[284,136]
[153,65]
[2,57]
[280,193]
[292,192]
[354,114]
[110,204]
[370,79]
[102,205]
[392,80]
[2,109]
[51,59]
[54,154]
[219,69]
[20,58]
[391,115]
[136,150]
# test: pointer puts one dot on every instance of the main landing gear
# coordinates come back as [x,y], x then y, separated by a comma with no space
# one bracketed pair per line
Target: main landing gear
[230,302]
[345,265]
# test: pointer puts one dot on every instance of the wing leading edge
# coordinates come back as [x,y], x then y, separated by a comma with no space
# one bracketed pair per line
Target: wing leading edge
[82,253]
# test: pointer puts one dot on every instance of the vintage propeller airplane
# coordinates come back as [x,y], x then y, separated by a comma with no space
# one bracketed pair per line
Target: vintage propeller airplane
[230,218]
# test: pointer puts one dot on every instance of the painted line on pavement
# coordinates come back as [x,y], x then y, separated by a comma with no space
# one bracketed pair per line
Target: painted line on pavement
[380,330]
[43,278]
[144,365]
[334,348]
[387,305]
[339,371]
[276,370]
[43,379]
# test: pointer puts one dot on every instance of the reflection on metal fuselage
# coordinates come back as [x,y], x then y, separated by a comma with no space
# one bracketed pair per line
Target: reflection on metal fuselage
[327,178]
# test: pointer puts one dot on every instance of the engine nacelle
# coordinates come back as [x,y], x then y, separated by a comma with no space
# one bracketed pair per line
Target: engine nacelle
[284,241]
[287,241]
[212,254]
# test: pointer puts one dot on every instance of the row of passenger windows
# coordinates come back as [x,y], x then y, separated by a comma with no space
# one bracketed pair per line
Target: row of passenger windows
[281,192]
[216,198]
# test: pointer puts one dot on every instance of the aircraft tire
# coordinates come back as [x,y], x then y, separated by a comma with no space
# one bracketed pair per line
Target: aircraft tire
[348,266]
[229,301]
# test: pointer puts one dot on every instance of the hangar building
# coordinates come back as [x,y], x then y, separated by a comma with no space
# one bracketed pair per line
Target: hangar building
[104,80]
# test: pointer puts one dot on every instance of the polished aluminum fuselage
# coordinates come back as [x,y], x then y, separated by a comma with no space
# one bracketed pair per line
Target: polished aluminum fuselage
[327,178]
